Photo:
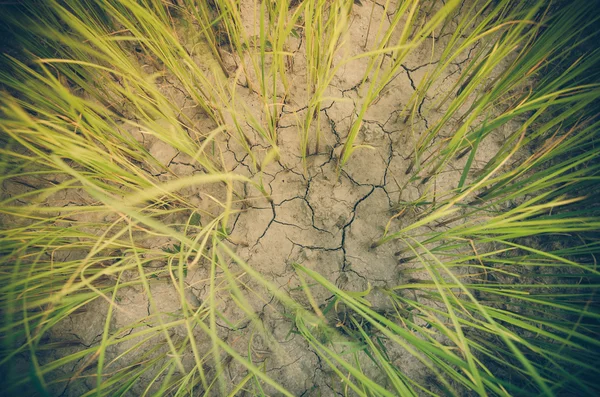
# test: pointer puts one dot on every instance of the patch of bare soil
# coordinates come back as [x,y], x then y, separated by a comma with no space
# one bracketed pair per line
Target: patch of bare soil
[322,218]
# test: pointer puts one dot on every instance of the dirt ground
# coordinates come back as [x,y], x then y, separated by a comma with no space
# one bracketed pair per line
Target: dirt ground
[322,219]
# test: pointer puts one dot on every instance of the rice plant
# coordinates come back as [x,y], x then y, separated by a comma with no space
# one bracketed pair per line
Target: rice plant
[299,197]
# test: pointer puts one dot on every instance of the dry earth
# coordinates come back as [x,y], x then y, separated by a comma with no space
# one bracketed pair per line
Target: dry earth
[320,218]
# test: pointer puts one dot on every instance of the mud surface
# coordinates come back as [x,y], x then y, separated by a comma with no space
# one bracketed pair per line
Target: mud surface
[319,216]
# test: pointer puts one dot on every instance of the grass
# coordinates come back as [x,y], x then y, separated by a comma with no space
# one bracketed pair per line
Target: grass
[497,288]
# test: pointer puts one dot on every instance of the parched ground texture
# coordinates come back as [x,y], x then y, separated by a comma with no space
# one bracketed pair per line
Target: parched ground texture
[323,218]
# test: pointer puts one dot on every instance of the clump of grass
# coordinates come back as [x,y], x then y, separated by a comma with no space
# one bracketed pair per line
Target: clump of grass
[501,295]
